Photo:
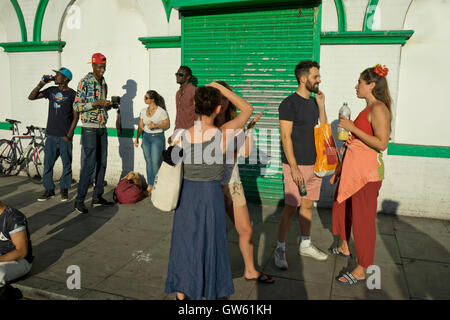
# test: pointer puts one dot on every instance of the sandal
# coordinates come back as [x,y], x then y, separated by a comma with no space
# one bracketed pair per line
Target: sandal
[263,278]
[336,252]
[351,280]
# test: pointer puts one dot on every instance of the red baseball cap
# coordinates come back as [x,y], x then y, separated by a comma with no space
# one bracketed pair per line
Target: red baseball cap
[98,58]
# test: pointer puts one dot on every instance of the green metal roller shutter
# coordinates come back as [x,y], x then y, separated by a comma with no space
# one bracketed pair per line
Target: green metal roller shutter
[256,53]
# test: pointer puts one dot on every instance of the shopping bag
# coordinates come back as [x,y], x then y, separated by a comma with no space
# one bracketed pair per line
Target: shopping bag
[327,158]
[168,180]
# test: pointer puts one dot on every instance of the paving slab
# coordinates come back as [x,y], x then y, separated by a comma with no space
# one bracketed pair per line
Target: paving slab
[386,250]
[98,295]
[425,226]
[303,268]
[50,289]
[416,245]
[427,280]
[289,289]
[447,224]
[142,290]
[94,268]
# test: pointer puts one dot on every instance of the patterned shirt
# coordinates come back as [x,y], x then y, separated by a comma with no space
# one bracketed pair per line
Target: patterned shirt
[88,91]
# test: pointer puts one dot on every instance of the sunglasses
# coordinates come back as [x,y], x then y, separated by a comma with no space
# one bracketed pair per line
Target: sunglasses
[146,98]
[179,74]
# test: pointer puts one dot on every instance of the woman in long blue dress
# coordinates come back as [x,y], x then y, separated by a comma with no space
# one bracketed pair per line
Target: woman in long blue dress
[199,265]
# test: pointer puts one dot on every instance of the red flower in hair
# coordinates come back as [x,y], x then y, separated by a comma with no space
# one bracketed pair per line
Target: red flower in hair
[382,71]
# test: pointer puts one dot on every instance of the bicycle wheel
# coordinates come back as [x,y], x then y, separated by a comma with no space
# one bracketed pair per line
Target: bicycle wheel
[7,157]
[35,163]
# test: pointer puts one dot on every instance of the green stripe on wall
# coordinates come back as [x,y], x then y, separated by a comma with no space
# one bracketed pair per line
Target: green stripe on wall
[126,133]
[161,42]
[33,46]
[409,150]
[38,19]
[359,37]
[342,18]
[5,126]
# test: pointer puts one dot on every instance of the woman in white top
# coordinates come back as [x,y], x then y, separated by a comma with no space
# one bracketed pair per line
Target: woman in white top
[235,202]
[152,123]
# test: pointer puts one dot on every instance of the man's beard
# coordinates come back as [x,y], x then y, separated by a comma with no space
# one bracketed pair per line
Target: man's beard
[311,87]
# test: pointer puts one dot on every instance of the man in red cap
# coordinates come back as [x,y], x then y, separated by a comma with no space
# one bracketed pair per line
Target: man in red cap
[91,103]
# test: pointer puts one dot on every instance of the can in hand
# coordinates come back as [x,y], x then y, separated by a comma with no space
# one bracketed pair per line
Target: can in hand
[48,79]
[302,189]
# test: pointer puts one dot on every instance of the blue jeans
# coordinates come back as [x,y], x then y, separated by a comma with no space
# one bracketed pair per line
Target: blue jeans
[57,147]
[95,148]
[153,145]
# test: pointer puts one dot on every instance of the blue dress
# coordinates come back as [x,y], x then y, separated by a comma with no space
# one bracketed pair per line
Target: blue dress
[199,264]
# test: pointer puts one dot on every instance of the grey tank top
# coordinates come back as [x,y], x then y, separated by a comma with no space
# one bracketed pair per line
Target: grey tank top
[203,161]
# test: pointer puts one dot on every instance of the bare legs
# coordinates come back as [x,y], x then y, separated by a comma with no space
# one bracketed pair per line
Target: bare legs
[241,219]
[304,218]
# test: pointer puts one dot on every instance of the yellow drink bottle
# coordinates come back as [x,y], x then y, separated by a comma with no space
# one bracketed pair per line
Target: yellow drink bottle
[342,134]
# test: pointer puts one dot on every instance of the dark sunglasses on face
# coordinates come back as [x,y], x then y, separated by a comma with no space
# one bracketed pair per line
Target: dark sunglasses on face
[179,74]
[146,98]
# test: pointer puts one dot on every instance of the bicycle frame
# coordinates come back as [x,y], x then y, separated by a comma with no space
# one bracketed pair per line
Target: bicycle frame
[16,142]
[20,156]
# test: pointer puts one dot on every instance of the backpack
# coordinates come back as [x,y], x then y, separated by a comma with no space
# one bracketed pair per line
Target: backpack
[127,192]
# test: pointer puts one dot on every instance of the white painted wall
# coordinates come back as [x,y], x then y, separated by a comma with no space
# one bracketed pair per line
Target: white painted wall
[28,8]
[5,81]
[390,14]
[52,19]
[423,104]
[329,16]
[26,72]
[341,66]
[10,22]
[355,11]
[155,16]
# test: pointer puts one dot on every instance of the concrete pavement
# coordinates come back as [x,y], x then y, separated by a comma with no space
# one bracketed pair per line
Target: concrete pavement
[122,252]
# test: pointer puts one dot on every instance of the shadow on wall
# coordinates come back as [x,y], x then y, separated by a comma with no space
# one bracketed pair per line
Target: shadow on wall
[126,147]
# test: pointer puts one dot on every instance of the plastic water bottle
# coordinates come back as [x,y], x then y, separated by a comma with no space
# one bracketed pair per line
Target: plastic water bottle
[342,134]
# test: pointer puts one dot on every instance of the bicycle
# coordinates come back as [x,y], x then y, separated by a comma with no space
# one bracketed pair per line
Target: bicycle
[13,157]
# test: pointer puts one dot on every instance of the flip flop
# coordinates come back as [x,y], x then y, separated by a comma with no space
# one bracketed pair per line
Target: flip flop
[336,252]
[263,278]
[351,280]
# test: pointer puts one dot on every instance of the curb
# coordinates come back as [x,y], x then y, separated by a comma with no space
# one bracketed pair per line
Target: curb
[38,294]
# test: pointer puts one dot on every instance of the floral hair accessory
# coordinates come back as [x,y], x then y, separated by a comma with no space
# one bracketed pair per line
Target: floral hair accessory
[382,71]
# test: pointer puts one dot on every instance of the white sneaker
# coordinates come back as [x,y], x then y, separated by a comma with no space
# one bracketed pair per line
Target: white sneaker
[313,252]
[280,259]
